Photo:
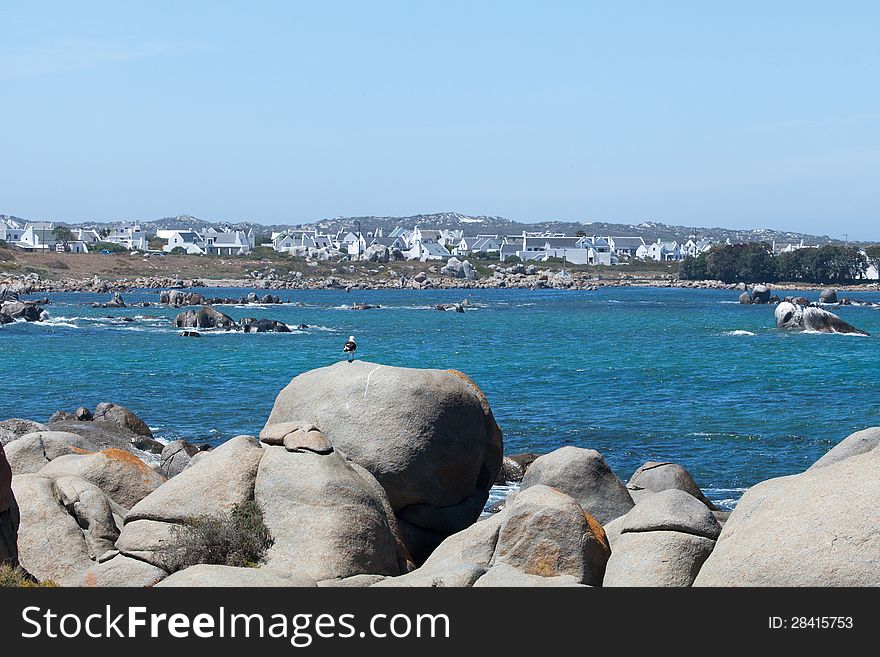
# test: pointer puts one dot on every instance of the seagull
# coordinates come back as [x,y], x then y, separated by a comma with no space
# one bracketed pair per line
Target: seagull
[349,348]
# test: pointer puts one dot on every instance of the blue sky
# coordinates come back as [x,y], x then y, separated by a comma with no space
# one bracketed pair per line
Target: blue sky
[739,114]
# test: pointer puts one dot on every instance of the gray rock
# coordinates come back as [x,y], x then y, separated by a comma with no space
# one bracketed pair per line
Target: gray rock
[83,414]
[474,545]
[122,571]
[656,476]
[745,298]
[16,428]
[175,457]
[252,325]
[296,437]
[353,582]
[205,575]
[119,416]
[219,480]
[583,474]
[545,532]
[828,295]
[674,511]
[818,528]
[613,530]
[860,442]
[56,541]
[798,318]
[108,434]
[30,312]
[151,541]
[205,317]
[656,558]
[326,521]
[120,474]
[9,515]
[428,436]
[32,451]
[502,575]
[760,294]
[461,576]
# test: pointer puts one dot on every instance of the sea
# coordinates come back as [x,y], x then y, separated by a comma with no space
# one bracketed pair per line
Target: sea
[637,373]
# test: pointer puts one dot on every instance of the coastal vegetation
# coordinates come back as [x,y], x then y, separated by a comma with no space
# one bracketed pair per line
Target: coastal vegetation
[239,539]
[755,263]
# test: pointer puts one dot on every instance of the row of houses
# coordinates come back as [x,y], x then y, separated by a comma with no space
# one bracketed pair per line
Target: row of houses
[41,236]
[426,243]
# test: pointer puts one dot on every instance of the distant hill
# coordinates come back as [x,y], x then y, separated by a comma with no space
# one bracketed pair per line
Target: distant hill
[475,225]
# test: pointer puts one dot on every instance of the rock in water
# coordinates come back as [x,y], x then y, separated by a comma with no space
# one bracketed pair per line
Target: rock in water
[9,515]
[828,295]
[119,416]
[656,476]
[204,317]
[761,294]
[583,474]
[818,528]
[790,316]
[428,436]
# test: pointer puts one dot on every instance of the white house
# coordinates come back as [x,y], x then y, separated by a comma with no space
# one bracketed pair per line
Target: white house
[227,243]
[37,236]
[625,247]
[872,273]
[660,251]
[10,230]
[188,240]
[694,249]
[131,236]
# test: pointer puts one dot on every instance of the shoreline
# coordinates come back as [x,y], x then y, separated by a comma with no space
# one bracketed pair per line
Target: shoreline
[24,284]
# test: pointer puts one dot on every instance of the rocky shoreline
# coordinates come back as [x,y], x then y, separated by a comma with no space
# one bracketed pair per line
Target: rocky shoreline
[354,480]
[513,277]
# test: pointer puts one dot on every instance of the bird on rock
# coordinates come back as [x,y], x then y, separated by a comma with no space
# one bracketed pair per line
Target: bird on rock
[350,348]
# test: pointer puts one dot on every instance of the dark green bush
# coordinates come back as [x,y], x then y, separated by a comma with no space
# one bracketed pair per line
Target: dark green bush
[239,538]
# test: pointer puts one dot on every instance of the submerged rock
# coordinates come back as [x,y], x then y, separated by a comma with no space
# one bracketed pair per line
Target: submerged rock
[204,317]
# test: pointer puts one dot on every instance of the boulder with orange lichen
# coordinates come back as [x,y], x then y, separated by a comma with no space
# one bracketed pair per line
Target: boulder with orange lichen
[124,477]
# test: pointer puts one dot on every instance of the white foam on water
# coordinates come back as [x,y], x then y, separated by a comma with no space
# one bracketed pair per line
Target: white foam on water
[738,332]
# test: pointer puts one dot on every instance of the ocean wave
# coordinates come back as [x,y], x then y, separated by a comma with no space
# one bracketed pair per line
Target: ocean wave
[856,335]
[738,332]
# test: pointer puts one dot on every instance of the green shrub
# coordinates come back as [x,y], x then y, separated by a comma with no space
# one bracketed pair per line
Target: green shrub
[107,246]
[239,538]
[15,577]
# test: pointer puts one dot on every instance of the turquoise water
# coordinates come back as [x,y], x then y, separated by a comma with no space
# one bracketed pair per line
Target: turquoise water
[637,373]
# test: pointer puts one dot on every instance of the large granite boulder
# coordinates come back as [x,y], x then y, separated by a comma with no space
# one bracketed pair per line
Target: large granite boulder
[211,486]
[861,442]
[32,451]
[205,317]
[663,541]
[656,476]
[428,436]
[546,532]
[66,526]
[119,473]
[583,474]
[818,528]
[205,575]
[326,520]
[9,515]
[16,428]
